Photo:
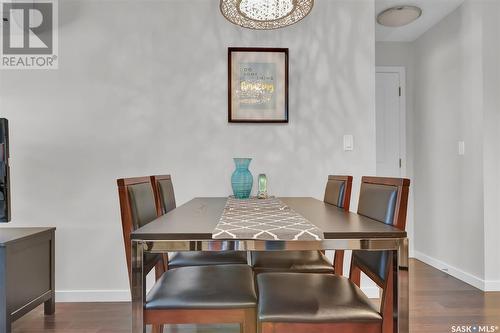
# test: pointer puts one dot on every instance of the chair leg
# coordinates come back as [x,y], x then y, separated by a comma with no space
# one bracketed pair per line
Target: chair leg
[165,261]
[338,262]
[159,269]
[157,329]
[266,328]
[387,298]
[355,275]
[249,324]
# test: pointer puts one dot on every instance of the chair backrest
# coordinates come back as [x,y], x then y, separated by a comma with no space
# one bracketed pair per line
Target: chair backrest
[137,207]
[379,268]
[385,200]
[164,193]
[338,191]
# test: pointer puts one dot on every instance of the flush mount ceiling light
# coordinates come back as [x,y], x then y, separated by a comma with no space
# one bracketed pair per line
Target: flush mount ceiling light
[265,14]
[398,16]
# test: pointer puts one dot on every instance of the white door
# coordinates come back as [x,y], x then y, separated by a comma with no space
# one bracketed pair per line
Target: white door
[388,122]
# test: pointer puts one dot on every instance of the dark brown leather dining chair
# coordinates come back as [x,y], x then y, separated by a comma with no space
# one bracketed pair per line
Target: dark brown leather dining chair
[337,193]
[186,295]
[333,303]
[165,202]
[320,303]
[385,200]
[137,209]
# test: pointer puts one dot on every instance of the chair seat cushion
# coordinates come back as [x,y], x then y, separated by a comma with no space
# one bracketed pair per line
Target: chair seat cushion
[204,287]
[312,298]
[204,258]
[293,261]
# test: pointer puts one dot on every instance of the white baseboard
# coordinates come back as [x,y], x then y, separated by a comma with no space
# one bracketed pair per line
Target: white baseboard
[92,295]
[458,273]
[82,296]
[492,285]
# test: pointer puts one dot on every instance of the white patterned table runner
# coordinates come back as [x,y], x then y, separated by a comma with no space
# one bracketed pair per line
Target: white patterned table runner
[267,219]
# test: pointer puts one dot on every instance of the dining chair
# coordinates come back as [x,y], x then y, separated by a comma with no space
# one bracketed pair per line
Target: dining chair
[186,295]
[385,200]
[337,193]
[137,208]
[165,202]
[333,303]
[320,303]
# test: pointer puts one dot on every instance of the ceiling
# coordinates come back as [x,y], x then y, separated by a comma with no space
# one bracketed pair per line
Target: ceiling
[433,11]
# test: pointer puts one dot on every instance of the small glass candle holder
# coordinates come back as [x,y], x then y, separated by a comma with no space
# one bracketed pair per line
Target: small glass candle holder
[262,181]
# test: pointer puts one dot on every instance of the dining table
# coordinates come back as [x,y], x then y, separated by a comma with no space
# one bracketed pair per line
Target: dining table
[190,227]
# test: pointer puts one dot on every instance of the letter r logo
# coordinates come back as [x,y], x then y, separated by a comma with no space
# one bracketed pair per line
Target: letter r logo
[27,28]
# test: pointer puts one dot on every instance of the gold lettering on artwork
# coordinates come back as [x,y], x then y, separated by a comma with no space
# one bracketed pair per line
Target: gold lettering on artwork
[247,86]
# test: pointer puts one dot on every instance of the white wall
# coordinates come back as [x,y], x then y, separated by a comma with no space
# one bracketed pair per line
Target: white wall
[401,54]
[449,190]
[491,149]
[456,83]
[142,89]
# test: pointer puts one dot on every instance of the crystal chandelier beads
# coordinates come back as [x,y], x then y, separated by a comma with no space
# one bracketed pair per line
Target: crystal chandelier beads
[262,10]
[265,14]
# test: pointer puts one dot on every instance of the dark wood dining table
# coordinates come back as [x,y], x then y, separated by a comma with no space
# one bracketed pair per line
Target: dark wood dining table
[189,228]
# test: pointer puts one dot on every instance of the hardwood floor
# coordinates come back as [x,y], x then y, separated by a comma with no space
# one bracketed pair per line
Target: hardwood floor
[437,302]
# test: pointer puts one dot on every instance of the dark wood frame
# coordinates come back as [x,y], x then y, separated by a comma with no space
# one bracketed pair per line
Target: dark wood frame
[347,189]
[403,185]
[338,260]
[229,68]
[157,193]
[246,317]
[127,224]
[386,310]
[399,221]
[159,204]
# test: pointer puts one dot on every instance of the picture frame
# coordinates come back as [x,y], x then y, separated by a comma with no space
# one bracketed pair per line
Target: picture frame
[257,85]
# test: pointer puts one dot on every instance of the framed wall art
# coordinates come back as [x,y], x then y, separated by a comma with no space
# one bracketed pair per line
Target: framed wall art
[258,85]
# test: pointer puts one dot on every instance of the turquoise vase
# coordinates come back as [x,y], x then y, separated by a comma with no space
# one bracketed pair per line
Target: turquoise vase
[242,179]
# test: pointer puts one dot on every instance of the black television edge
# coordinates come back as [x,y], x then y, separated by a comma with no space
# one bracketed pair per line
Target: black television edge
[4,171]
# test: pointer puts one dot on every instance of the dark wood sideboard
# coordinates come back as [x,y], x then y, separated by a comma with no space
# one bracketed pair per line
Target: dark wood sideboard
[26,272]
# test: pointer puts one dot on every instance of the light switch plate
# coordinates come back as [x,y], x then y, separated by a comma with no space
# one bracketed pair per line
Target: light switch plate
[348,142]
[461,148]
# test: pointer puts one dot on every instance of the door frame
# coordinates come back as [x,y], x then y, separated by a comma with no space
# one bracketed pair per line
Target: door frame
[402,111]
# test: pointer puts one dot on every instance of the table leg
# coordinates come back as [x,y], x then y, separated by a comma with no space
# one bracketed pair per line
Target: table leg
[401,286]
[5,325]
[137,287]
